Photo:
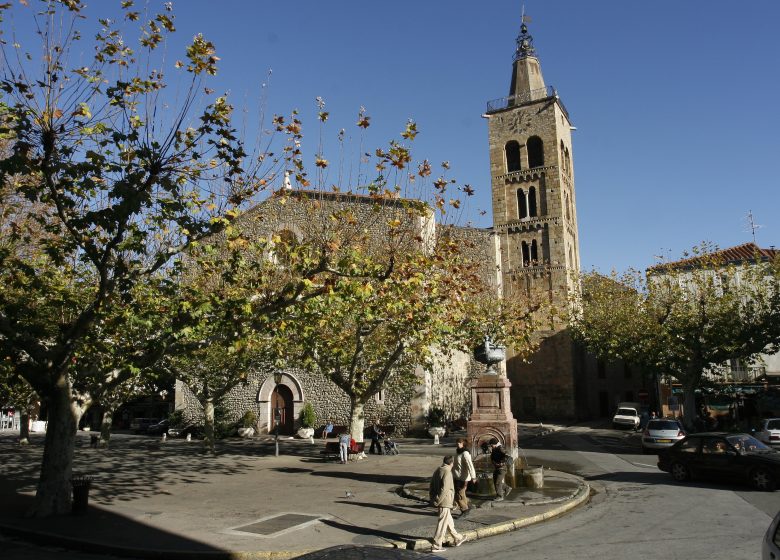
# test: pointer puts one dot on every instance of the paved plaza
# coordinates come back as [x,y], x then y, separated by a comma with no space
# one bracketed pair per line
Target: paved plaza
[153,499]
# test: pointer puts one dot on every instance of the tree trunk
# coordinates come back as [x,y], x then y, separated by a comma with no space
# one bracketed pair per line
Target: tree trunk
[53,496]
[105,426]
[357,419]
[208,412]
[24,427]
[689,410]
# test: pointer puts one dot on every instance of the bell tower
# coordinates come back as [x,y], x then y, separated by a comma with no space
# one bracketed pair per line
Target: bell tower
[535,218]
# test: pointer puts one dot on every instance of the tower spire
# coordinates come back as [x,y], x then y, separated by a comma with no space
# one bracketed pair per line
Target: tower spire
[525,42]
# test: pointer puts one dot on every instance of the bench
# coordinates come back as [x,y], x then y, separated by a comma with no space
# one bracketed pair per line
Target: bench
[332,449]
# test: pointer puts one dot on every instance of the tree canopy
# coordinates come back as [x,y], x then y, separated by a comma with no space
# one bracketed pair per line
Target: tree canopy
[682,318]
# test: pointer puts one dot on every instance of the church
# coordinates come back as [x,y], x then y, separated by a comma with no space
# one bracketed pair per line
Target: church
[533,246]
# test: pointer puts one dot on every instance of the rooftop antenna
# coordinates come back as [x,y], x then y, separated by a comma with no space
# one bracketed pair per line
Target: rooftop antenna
[752,225]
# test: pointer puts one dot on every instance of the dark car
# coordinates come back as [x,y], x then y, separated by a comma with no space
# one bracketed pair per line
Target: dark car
[733,457]
[141,425]
[192,430]
[159,428]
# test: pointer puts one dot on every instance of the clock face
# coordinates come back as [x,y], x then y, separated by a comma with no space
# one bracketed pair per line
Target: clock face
[517,122]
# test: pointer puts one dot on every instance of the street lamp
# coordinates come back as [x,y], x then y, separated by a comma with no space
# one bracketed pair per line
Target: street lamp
[277,412]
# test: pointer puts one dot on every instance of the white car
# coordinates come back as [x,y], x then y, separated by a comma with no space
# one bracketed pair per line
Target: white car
[770,548]
[626,418]
[769,432]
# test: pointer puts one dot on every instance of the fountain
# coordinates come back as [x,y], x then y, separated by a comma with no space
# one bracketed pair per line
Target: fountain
[491,417]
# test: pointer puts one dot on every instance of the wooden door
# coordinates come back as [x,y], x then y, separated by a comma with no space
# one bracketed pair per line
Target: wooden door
[282,410]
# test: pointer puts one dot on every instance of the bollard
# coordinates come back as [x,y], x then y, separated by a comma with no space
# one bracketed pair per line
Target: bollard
[80,486]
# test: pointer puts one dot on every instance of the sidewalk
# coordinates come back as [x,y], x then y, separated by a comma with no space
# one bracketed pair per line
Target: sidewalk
[154,500]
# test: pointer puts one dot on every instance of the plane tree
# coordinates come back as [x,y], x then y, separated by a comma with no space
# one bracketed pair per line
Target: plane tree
[682,318]
[124,188]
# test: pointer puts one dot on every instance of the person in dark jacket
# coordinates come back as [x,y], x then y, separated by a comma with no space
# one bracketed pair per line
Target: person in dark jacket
[376,438]
[499,459]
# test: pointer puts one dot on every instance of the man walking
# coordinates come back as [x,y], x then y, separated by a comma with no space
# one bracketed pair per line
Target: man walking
[442,494]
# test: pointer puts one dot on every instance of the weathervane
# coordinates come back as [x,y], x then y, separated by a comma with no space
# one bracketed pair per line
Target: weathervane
[525,42]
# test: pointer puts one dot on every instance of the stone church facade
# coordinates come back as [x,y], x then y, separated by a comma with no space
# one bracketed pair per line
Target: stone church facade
[403,404]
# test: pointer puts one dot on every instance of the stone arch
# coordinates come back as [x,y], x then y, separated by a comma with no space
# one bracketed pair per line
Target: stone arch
[535,148]
[486,434]
[264,398]
[512,154]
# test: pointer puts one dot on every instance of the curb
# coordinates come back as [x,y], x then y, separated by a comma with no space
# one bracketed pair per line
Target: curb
[582,495]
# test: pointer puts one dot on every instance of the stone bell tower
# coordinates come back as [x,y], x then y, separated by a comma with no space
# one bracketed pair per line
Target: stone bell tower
[535,217]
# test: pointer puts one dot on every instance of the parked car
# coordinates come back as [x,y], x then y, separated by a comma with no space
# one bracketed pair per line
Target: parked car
[770,548]
[661,433]
[722,455]
[159,428]
[769,431]
[626,417]
[141,425]
[192,430]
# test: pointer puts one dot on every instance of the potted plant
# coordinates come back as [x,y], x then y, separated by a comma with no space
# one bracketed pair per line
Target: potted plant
[307,419]
[246,428]
[436,420]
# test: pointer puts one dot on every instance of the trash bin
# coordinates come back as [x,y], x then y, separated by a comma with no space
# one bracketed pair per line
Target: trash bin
[81,486]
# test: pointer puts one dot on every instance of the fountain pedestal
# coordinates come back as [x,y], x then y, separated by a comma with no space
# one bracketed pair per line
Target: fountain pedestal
[491,415]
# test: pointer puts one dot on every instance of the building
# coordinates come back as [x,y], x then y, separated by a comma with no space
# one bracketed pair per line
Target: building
[732,378]
[533,247]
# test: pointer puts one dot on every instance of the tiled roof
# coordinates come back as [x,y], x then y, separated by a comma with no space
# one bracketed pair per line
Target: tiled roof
[733,255]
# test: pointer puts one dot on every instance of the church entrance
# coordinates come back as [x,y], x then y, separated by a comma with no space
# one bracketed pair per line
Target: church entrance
[282,410]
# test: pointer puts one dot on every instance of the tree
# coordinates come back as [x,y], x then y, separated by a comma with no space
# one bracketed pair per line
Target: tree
[682,318]
[125,188]
[368,330]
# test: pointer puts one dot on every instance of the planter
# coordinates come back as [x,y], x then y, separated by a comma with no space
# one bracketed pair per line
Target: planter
[244,432]
[306,433]
[436,432]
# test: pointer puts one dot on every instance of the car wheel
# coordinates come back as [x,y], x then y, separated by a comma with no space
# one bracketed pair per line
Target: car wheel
[680,472]
[762,479]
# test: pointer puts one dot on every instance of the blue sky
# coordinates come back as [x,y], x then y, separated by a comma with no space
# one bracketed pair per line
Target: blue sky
[675,103]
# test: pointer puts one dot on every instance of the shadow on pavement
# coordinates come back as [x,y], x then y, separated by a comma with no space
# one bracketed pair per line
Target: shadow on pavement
[369,531]
[96,531]
[411,509]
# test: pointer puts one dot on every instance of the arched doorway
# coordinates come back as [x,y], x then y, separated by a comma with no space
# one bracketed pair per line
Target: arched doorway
[282,410]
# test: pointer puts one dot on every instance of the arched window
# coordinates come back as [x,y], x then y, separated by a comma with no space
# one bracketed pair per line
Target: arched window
[534,253]
[568,205]
[512,150]
[563,157]
[522,204]
[526,253]
[535,152]
[532,202]
[568,162]
[284,244]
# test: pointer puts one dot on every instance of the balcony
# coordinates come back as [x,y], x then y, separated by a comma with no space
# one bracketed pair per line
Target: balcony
[741,374]
[525,98]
